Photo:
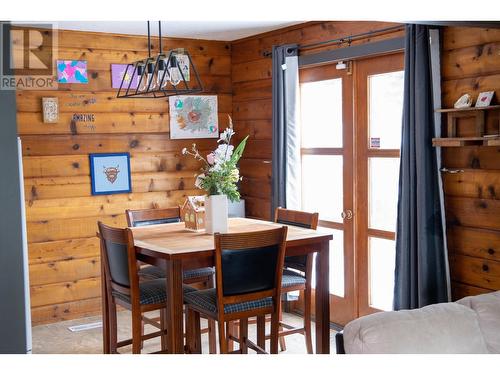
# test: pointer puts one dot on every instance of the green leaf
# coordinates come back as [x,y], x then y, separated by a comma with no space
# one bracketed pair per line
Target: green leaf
[239,151]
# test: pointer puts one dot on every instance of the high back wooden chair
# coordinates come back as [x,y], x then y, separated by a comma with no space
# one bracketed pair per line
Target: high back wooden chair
[205,275]
[297,274]
[249,268]
[121,286]
[139,218]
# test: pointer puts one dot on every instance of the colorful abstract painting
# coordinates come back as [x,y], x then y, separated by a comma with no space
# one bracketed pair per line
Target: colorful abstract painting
[193,116]
[72,71]
[117,72]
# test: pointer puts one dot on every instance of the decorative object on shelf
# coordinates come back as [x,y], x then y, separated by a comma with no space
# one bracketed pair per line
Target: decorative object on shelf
[163,75]
[464,101]
[193,212]
[123,72]
[193,117]
[50,110]
[219,177]
[72,71]
[110,173]
[484,98]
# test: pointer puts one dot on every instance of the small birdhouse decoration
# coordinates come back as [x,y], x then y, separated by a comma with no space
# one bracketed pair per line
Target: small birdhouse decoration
[193,212]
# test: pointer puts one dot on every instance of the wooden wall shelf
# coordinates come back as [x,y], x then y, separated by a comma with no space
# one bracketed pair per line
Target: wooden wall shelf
[466,141]
[469,109]
[480,139]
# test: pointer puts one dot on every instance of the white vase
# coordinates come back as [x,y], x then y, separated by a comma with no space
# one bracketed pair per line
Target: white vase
[216,214]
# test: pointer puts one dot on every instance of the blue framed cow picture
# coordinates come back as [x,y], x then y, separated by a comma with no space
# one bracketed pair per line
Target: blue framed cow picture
[110,173]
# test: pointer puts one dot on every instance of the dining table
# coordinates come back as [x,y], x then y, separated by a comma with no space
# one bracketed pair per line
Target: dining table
[175,248]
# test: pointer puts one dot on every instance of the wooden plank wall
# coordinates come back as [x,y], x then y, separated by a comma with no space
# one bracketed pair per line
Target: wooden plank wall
[252,102]
[61,213]
[471,64]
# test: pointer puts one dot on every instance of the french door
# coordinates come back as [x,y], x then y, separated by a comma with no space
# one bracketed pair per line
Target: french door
[351,132]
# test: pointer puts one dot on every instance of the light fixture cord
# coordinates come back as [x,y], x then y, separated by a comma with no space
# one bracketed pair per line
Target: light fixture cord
[149,41]
[159,33]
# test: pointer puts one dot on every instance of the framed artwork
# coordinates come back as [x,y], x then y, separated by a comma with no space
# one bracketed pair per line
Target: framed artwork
[484,99]
[50,110]
[110,173]
[117,73]
[193,116]
[72,71]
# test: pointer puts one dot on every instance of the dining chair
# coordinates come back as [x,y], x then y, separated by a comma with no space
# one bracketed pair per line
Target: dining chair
[297,274]
[121,286]
[248,270]
[204,276]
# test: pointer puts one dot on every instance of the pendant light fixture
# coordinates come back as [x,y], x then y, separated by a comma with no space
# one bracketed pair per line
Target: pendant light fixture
[167,74]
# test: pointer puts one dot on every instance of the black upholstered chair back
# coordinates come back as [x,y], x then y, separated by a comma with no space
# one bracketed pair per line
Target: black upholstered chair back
[249,270]
[141,218]
[298,219]
[118,262]
[249,262]
[115,254]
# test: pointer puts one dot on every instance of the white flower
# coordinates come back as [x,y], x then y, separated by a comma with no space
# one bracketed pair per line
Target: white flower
[184,151]
[223,153]
[226,135]
[199,180]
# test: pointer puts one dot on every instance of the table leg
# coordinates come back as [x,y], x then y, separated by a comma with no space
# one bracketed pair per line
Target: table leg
[175,301]
[323,299]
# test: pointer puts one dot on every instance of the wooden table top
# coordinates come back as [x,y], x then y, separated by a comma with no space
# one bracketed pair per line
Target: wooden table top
[174,239]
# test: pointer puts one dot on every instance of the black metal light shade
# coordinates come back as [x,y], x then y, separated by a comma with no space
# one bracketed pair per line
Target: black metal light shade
[160,76]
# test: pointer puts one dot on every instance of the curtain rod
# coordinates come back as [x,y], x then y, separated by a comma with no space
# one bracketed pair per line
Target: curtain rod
[347,39]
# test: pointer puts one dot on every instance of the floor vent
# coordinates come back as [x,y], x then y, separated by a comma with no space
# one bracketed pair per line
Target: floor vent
[85,327]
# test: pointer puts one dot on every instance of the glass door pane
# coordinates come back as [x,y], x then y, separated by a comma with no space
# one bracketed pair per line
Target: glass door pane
[382,256]
[321,112]
[385,109]
[322,186]
[383,182]
[337,271]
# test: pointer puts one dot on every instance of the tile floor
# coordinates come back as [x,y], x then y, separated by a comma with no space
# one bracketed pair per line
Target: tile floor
[56,338]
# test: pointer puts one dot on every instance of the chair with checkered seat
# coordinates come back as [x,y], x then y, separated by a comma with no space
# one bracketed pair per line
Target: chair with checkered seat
[297,274]
[121,286]
[204,276]
[249,268]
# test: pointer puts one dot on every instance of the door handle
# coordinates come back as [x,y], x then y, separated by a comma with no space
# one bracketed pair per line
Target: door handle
[347,214]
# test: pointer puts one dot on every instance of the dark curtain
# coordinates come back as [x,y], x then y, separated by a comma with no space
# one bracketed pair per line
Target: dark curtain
[421,276]
[283,109]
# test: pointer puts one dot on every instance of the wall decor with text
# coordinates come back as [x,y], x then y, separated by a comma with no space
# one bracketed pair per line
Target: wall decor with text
[110,173]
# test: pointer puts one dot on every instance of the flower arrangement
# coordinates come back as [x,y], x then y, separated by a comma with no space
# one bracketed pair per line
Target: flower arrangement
[220,173]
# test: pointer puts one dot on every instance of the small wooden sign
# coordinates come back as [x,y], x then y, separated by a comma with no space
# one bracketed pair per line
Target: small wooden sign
[50,110]
[83,117]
